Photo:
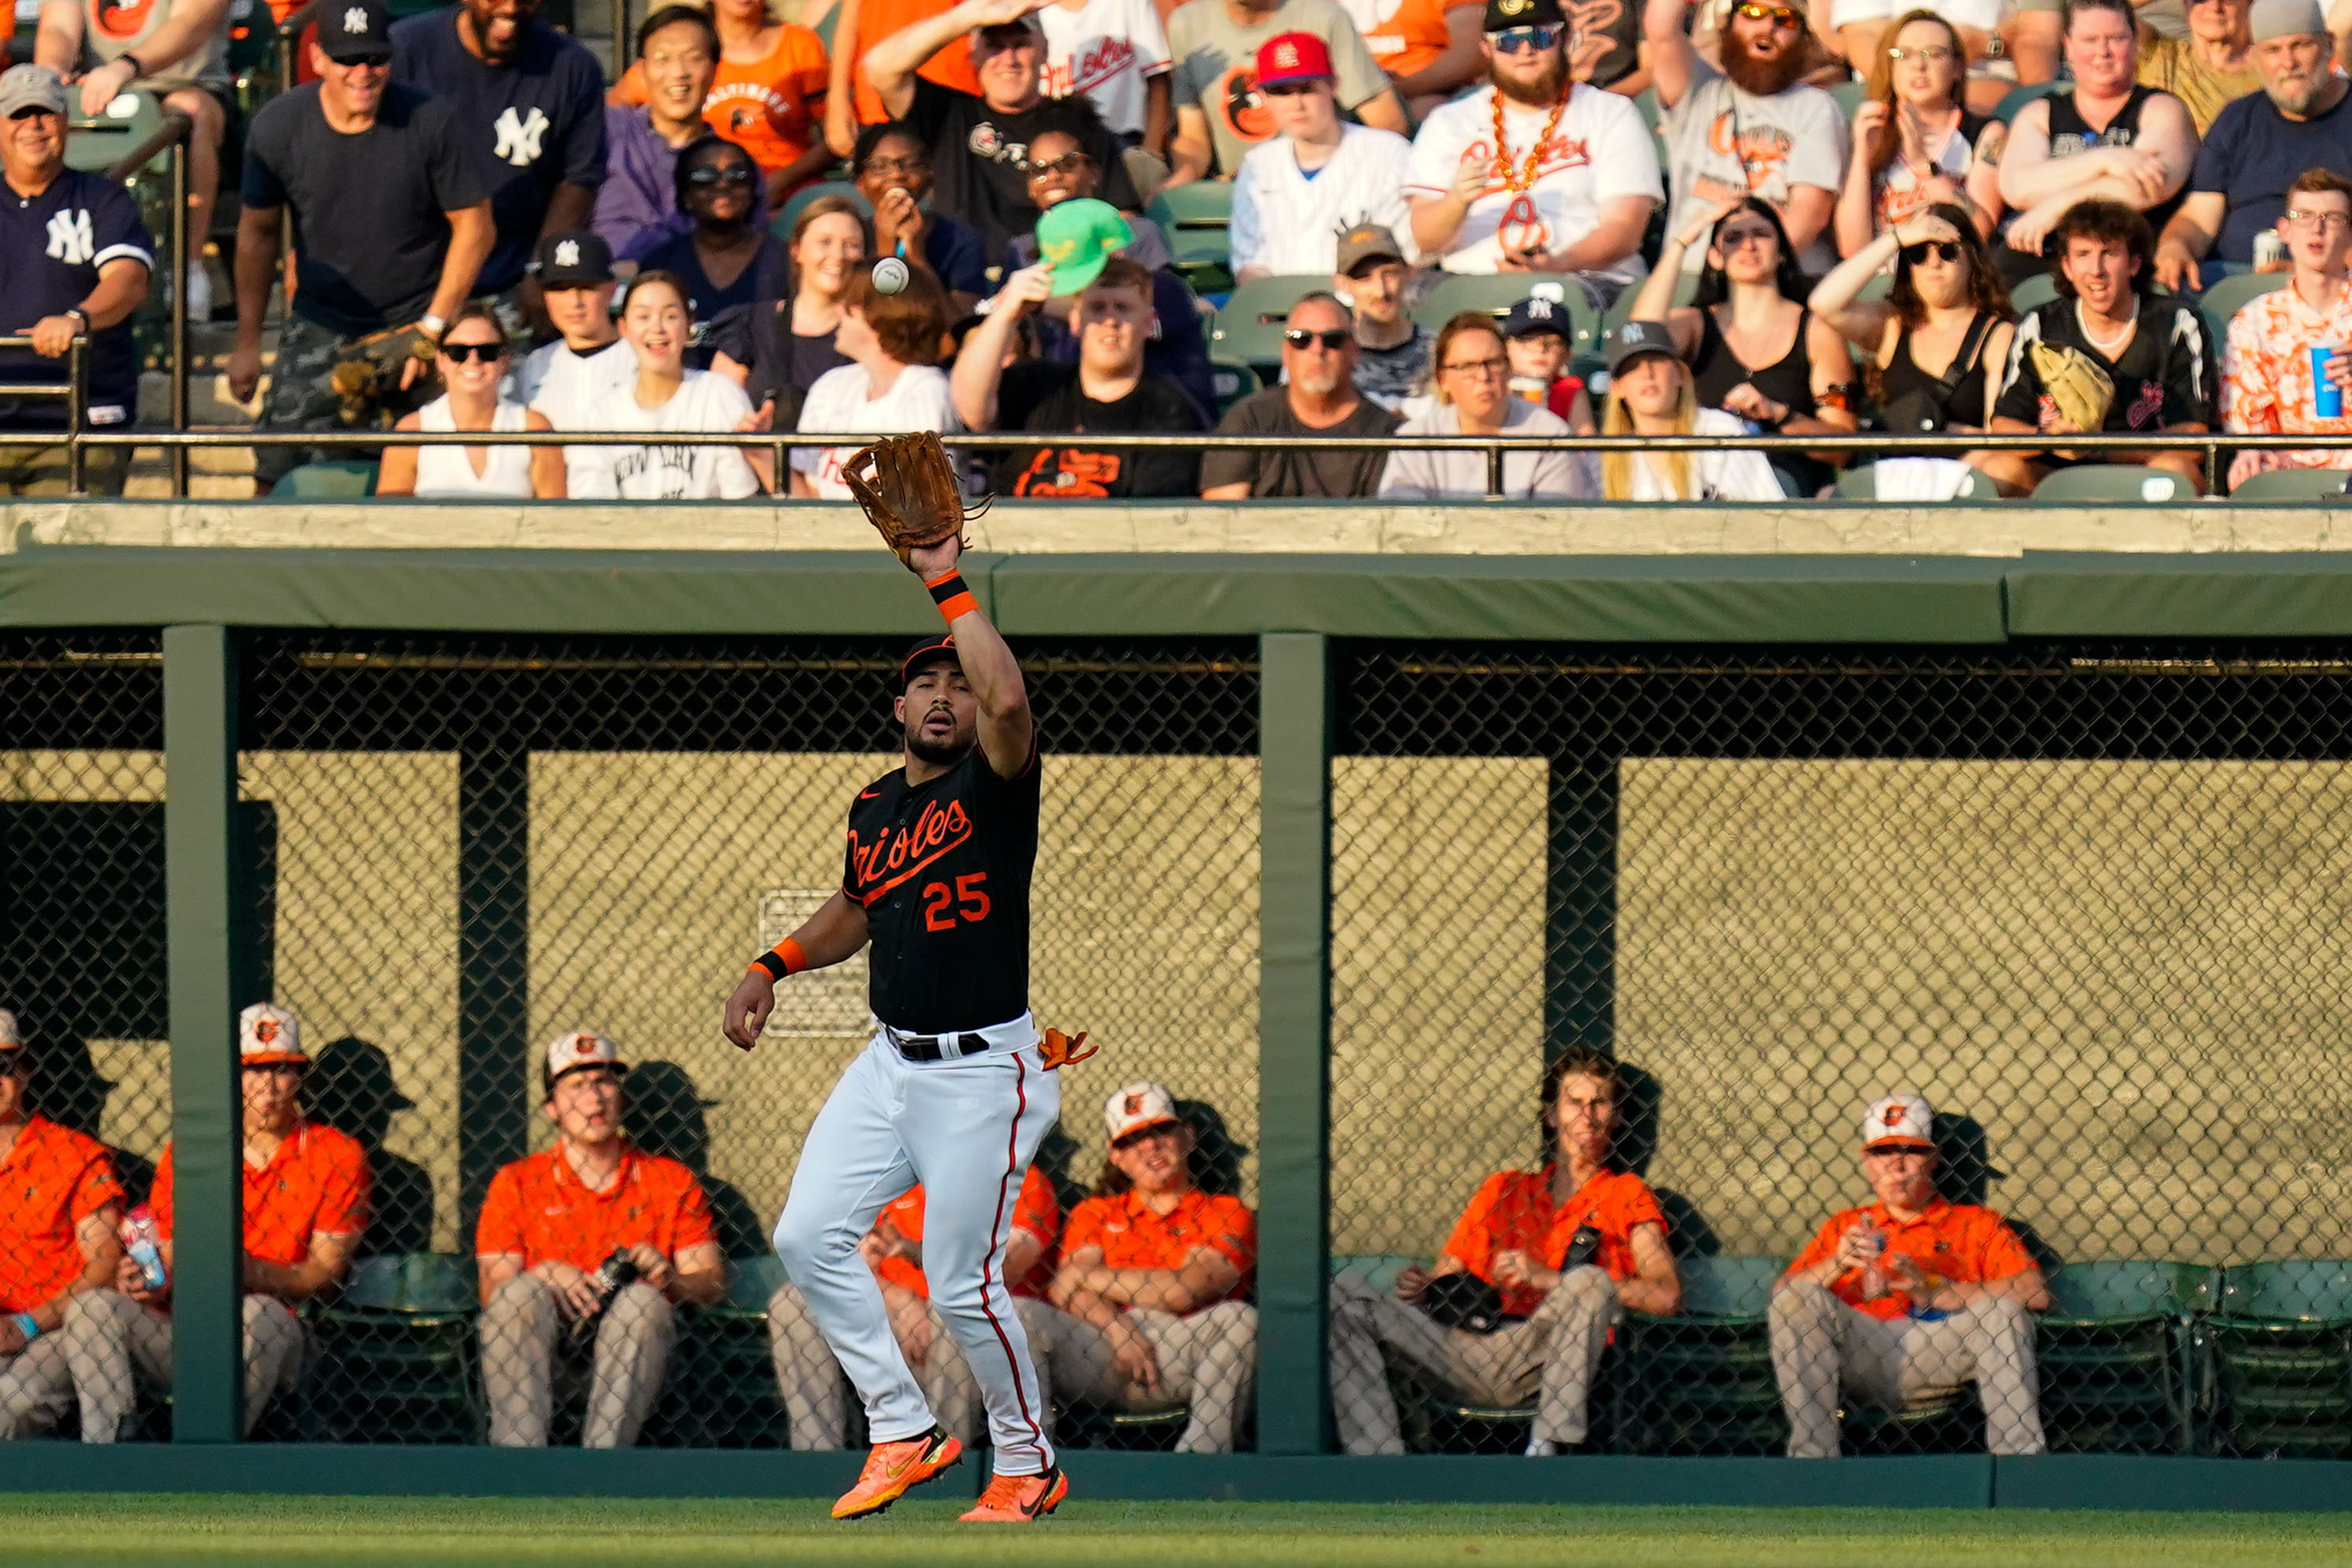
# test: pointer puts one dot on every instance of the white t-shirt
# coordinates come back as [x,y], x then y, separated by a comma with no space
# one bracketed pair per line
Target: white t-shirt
[706,402]
[1721,475]
[1723,143]
[1601,151]
[1103,50]
[917,400]
[1460,474]
[563,384]
[1290,222]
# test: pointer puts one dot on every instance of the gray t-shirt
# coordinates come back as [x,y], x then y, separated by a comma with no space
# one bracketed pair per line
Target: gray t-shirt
[1722,142]
[1461,474]
[1217,66]
[1299,470]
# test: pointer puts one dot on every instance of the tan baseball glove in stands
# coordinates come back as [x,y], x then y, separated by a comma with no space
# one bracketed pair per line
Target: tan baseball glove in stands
[907,486]
[2076,383]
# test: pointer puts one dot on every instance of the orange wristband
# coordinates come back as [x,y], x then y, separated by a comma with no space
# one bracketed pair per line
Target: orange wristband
[948,593]
[785,958]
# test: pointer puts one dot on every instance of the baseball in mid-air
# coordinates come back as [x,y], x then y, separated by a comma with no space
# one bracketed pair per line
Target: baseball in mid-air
[889,275]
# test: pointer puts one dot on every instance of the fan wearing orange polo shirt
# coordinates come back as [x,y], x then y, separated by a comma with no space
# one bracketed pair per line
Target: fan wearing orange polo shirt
[1900,1303]
[59,1205]
[549,1223]
[306,1203]
[1561,1249]
[816,1394]
[1151,1293]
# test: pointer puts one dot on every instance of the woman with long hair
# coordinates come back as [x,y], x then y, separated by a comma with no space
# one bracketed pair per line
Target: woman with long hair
[1914,142]
[728,257]
[1753,348]
[474,357]
[665,395]
[892,383]
[776,349]
[1934,348]
[1651,393]
[1471,372]
[770,74]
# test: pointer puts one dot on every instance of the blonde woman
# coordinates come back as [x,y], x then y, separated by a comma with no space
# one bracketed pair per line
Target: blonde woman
[1914,142]
[1651,393]
[474,357]
[1473,376]
[776,349]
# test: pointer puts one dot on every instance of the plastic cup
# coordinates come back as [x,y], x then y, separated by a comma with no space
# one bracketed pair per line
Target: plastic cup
[2327,397]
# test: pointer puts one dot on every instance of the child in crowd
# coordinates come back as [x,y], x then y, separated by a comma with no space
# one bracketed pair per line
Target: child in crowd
[1534,337]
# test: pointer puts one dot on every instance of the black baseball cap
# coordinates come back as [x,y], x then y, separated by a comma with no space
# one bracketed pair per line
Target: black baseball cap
[571,258]
[928,650]
[354,32]
[1534,315]
[1635,339]
[1504,15]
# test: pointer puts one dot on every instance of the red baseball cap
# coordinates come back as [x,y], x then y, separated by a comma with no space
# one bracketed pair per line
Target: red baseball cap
[1293,56]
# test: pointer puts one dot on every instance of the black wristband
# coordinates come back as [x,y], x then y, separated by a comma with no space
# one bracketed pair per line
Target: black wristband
[138,69]
[769,961]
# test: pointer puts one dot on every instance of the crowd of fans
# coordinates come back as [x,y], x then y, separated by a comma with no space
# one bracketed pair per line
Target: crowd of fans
[1790,268]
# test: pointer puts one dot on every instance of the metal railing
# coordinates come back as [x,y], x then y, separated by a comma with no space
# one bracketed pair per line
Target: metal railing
[70,389]
[171,135]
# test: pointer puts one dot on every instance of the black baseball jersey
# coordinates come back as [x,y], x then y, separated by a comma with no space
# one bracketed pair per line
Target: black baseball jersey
[2169,374]
[942,871]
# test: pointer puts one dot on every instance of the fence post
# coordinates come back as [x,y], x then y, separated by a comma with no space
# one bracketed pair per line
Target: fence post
[207,1123]
[493,965]
[1294,730]
[1580,906]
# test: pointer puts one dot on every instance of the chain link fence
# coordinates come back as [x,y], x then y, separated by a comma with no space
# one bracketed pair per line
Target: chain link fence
[2087,902]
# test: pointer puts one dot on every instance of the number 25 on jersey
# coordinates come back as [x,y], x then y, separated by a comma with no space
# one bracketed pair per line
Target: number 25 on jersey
[967,901]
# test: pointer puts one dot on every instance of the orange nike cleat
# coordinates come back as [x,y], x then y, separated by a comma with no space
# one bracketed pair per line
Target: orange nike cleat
[1019,1500]
[893,1467]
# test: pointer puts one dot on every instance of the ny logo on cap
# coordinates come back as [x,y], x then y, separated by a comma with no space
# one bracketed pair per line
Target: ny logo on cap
[1134,1105]
[355,20]
[567,252]
[1538,310]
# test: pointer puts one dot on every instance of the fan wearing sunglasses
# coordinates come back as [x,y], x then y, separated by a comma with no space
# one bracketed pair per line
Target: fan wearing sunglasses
[1318,397]
[1934,349]
[727,257]
[1537,173]
[1754,128]
[1914,142]
[473,358]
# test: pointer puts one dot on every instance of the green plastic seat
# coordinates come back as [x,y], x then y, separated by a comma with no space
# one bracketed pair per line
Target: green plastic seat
[1247,329]
[1197,219]
[421,1283]
[1850,96]
[397,1352]
[2297,485]
[722,1391]
[2118,1356]
[1686,290]
[340,479]
[2115,483]
[1232,381]
[2280,1338]
[2018,97]
[1376,1271]
[2297,1290]
[99,144]
[2113,1294]
[2036,291]
[1495,294]
[1701,1381]
[2230,295]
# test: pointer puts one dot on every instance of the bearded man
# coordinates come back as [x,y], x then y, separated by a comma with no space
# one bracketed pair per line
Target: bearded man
[1754,129]
[1535,172]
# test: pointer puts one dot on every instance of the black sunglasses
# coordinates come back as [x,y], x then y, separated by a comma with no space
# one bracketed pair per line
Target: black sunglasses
[488,354]
[1944,250]
[736,175]
[1067,163]
[1300,337]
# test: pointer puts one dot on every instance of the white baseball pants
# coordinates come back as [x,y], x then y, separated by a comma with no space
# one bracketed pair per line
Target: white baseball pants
[966,1130]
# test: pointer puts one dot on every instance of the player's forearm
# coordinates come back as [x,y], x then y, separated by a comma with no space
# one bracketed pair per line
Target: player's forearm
[1088,1306]
[828,937]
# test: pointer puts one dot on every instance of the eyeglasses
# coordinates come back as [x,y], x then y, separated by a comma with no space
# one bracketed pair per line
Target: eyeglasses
[2303,217]
[1934,54]
[735,175]
[1942,250]
[1480,367]
[459,354]
[1334,339]
[1779,15]
[1067,163]
[1289,89]
[1511,40]
[914,165]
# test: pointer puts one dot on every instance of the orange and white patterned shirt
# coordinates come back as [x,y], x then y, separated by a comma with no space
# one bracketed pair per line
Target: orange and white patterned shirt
[2267,383]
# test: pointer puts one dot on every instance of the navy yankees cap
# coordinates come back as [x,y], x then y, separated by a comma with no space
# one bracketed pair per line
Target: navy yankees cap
[928,650]
[351,32]
[1536,314]
[571,258]
[1635,339]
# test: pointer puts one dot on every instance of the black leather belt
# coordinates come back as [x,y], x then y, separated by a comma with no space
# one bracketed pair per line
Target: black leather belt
[937,1047]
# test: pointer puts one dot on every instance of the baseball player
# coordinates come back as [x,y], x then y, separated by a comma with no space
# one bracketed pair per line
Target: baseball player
[956,1088]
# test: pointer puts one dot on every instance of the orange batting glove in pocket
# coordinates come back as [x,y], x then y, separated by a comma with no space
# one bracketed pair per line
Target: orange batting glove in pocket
[1061,1050]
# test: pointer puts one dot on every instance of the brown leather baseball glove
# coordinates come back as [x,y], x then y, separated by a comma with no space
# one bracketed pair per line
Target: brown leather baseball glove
[907,486]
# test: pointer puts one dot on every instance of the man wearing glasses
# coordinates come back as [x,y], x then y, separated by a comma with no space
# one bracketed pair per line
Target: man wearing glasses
[1318,397]
[1220,109]
[1319,176]
[2268,385]
[1754,129]
[1536,172]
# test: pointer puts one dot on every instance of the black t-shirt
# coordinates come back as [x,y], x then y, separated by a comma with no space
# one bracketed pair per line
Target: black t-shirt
[782,364]
[2168,375]
[1299,470]
[1036,395]
[528,126]
[1607,41]
[942,871]
[52,248]
[977,154]
[369,209]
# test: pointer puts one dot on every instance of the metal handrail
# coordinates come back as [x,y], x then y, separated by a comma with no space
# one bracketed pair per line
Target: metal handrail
[174,133]
[70,389]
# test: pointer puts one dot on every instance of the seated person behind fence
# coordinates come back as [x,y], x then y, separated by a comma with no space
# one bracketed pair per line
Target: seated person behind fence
[1754,348]
[58,1245]
[1535,172]
[1152,1288]
[588,358]
[2209,68]
[1107,390]
[1896,1304]
[665,397]
[177,50]
[776,349]
[1914,142]
[1318,397]
[557,1229]
[1473,398]
[2267,374]
[306,1204]
[86,283]
[677,56]
[376,275]
[816,1394]
[2299,120]
[891,384]
[473,359]
[893,170]
[728,257]
[2110,140]
[1651,393]
[1560,1250]
[1535,338]
[2150,348]
[1317,176]
[1391,348]
[1934,349]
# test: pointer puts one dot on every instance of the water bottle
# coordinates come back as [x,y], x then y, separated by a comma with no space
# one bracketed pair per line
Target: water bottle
[140,1240]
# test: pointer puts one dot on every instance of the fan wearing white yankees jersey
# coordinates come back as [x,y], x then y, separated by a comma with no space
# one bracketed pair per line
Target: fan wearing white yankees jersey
[1317,176]
[1536,172]
[568,377]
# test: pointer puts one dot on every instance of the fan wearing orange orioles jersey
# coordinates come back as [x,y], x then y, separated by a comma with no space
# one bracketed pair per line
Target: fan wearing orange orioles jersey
[306,1203]
[1151,1296]
[1536,172]
[811,1379]
[1897,1303]
[1560,1250]
[557,1316]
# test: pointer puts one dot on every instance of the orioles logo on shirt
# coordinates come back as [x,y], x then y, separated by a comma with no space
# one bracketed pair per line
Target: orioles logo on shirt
[124,18]
[1240,103]
[1760,149]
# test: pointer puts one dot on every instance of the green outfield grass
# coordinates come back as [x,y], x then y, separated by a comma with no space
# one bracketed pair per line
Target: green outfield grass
[441,1533]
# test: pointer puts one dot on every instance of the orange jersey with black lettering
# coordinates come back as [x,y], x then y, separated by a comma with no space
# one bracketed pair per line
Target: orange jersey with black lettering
[1514,1211]
[1961,1242]
[1132,1236]
[314,1184]
[1035,1210]
[51,1180]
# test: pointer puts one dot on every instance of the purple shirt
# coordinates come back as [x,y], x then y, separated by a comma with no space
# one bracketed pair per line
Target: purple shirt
[636,206]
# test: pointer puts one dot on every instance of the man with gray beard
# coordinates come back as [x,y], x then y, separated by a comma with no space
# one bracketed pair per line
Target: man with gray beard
[2258,147]
[1318,398]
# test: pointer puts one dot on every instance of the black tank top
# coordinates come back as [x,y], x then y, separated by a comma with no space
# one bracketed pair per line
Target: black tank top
[1966,403]
[1715,370]
[2070,134]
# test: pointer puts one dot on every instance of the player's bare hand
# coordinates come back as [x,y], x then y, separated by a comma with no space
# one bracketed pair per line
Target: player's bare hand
[1858,1248]
[1133,1356]
[575,1293]
[1903,1275]
[747,1009]
[653,1268]
[12,1337]
[914,1330]
[927,562]
[992,12]
[1412,1284]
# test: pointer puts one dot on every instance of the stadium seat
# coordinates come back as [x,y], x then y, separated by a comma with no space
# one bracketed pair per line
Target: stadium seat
[1248,326]
[341,479]
[722,1389]
[2115,483]
[2116,1351]
[1686,290]
[1701,1381]
[1861,483]
[1233,380]
[1196,219]
[781,225]
[1495,294]
[396,1355]
[2281,1347]
[2018,97]
[96,145]
[1850,96]
[2038,289]
[2229,296]
[2296,485]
